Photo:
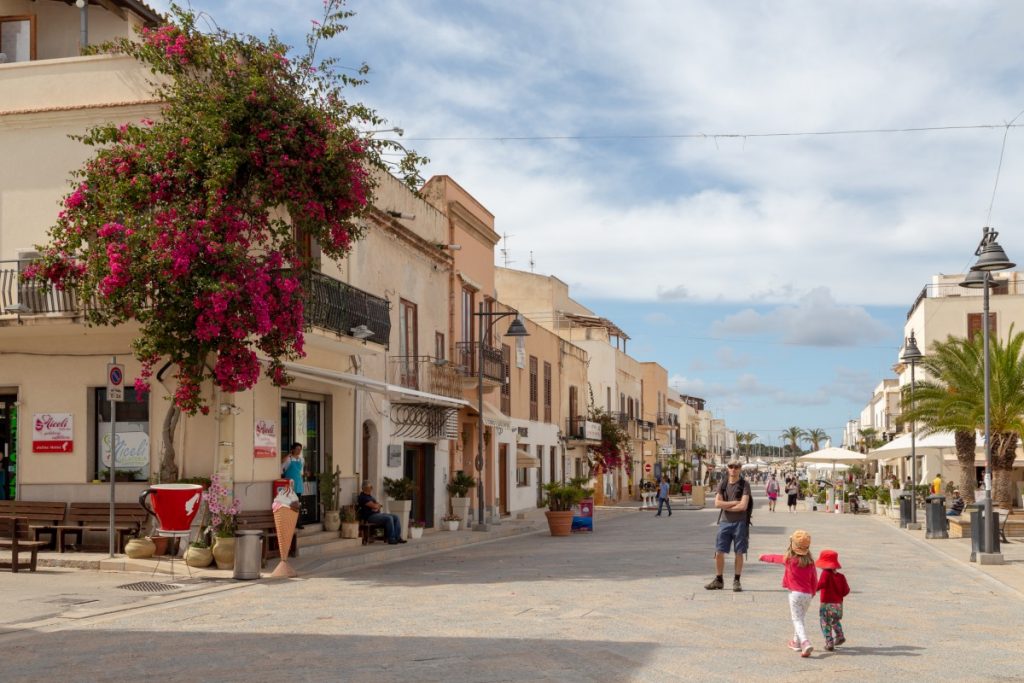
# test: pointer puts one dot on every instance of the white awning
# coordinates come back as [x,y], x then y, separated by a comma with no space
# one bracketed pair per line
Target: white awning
[524,459]
[394,390]
[347,379]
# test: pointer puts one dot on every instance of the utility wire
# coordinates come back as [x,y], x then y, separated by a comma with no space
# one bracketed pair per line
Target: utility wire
[999,168]
[714,136]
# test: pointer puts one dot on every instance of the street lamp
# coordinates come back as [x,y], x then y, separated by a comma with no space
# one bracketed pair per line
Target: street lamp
[991,257]
[912,354]
[515,329]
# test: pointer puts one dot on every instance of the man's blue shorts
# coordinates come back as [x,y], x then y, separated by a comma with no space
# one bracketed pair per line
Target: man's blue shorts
[732,534]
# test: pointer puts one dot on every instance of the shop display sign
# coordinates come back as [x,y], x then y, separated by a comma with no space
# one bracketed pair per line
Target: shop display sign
[583,515]
[52,433]
[265,439]
[131,443]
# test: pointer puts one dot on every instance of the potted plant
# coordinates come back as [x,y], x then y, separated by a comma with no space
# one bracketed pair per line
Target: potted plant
[458,488]
[139,547]
[223,522]
[562,498]
[349,522]
[198,553]
[329,500]
[399,493]
[451,521]
[416,528]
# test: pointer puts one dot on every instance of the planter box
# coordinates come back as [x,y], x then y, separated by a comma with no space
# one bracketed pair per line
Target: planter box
[402,508]
[460,507]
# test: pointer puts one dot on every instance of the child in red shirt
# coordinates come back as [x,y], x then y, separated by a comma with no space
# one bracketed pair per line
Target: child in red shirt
[833,588]
[801,578]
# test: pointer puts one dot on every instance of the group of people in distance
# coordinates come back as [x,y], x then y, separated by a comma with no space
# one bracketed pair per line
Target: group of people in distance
[800,575]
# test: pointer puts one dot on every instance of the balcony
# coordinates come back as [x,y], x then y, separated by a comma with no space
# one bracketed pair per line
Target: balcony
[681,445]
[645,430]
[425,373]
[32,298]
[668,419]
[467,357]
[943,290]
[580,429]
[339,307]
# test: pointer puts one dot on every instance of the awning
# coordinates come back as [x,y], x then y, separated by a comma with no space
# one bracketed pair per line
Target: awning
[493,417]
[347,379]
[524,459]
[396,391]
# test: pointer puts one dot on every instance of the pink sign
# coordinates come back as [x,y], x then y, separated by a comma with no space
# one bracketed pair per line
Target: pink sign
[265,439]
[52,433]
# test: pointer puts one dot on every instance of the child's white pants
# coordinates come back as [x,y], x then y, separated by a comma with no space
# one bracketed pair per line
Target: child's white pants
[798,605]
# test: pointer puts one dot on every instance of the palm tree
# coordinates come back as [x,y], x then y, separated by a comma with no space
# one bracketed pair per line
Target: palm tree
[793,435]
[815,437]
[745,439]
[868,439]
[955,401]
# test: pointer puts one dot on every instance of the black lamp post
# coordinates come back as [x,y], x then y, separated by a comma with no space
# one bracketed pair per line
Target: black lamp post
[912,354]
[991,257]
[515,329]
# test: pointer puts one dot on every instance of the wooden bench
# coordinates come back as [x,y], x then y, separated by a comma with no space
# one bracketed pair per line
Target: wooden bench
[368,532]
[263,520]
[82,517]
[12,531]
[42,517]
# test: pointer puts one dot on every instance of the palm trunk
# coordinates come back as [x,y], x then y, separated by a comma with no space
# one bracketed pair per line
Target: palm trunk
[1004,452]
[965,447]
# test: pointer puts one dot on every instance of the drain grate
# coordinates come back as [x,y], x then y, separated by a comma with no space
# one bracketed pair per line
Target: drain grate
[150,587]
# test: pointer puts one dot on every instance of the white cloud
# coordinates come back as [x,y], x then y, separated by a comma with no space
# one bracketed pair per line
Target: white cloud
[816,320]
[728,359]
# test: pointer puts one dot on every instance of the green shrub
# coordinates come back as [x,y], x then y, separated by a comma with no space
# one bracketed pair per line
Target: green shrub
[398,489]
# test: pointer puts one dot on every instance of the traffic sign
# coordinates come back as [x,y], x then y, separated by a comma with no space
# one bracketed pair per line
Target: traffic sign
[115,382]
[647,467]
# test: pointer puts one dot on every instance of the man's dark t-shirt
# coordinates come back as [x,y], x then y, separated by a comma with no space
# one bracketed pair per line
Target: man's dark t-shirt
[734,492]
[363,500]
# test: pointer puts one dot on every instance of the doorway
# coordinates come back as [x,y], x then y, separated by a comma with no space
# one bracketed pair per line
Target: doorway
[301,423]
[419,467]
[8,447]
[503,477]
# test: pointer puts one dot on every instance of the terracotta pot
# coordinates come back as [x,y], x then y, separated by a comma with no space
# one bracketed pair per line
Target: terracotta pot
[160,544]
[559,523]
[224,551]
[138,548]
[198,557]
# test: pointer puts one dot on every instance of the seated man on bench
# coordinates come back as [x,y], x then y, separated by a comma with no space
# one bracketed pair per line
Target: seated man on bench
[370,511]
[957,507]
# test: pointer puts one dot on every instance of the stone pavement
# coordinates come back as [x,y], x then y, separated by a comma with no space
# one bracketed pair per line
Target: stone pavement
[623,604]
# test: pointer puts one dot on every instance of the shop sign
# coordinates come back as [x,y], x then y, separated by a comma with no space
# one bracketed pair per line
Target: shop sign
[52,433]
[592,431]
[131,443]
[265,439]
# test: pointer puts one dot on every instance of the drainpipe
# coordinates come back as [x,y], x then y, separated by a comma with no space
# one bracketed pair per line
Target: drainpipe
[83,14]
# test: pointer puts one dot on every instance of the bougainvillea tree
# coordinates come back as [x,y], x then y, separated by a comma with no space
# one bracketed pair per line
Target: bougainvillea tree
[188,224]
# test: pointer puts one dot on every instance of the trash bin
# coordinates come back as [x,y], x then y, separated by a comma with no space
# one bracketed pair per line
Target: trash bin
[698,496]
[935,516]
[905,509]
[976,511]
[248,554]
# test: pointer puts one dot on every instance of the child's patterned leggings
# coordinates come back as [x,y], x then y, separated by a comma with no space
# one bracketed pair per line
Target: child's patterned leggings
[830,614]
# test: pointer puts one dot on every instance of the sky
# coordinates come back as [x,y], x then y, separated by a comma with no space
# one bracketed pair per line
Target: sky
[633,150]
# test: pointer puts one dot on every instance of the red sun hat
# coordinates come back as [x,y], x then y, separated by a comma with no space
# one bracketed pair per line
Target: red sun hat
[828,559]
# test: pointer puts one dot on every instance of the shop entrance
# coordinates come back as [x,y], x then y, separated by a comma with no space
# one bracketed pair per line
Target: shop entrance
[503,477]
[419,467]
[8,446]
[301,422]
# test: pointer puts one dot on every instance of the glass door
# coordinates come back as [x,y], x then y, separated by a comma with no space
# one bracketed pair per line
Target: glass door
[301,423]
[8,447]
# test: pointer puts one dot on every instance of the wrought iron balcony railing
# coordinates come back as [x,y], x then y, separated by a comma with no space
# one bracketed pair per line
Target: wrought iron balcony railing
[425,373]
[343,309]
[670,419]
[467,356]
[576,428]
[32,298]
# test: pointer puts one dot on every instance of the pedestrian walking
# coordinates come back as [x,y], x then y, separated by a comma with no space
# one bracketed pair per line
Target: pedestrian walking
[832,587]
[772,490]
[663,497]
[733,500]
[792,489]
[937,484]
[801,579]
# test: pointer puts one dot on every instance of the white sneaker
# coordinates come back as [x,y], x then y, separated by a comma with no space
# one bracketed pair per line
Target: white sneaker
[806,649]
[794,645]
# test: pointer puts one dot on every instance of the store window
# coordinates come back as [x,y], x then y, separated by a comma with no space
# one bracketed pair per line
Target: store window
[17,38]
[131,437]
[522,476]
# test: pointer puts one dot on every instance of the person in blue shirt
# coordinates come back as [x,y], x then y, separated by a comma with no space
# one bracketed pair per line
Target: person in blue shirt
[292,468]
[663,497]
[371,511]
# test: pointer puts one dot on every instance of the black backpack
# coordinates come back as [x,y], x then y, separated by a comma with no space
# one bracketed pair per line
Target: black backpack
[750,498]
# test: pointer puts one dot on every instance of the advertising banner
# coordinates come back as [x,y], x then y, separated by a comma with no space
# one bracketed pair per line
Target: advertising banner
[52,433]
[265,439]
[131,444]
[583,515]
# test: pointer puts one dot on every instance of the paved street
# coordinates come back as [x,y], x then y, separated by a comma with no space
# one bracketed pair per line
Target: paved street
[625,604]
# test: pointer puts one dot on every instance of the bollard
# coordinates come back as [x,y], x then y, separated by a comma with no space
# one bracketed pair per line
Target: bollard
[935,517]
[977,532]
[904,510]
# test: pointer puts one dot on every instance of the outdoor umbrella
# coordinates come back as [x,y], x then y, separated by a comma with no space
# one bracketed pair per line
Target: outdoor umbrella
[833,456]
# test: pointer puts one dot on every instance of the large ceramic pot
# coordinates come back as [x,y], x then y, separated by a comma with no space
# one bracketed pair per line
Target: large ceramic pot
[198,557]
[402,508]
[559,523]
[138,548]
[350,529]
[460,507]
[452,524]
[415,532]
[224,551]
[159,544]
[332,520]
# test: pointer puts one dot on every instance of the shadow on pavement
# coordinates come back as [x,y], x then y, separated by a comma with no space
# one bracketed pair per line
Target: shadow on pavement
[888,651]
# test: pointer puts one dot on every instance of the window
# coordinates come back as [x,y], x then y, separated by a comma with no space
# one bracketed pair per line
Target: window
[506,386]
[533,387]
[407,348]
[974,324]
[307,249]
[608,399]
[131,436]
[574,409]
[439,350]
[547,391]
[18,38]
[522,477]
[467,314]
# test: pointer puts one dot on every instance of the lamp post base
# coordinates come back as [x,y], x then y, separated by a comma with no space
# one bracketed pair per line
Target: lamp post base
[991,558]
[913,526]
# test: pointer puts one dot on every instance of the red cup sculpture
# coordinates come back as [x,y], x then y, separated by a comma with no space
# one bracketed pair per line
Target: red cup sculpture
[174,505]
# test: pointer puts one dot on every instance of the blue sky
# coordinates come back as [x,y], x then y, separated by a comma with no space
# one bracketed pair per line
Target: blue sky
[770,275]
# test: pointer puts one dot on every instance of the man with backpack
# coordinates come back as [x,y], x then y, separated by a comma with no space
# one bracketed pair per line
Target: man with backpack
[735,503]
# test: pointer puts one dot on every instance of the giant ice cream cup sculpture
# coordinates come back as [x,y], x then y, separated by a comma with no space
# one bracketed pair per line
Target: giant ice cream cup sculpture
[286,516]
[174,505]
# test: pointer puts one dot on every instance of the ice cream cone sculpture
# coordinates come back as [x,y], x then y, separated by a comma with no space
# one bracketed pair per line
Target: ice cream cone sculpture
[285,520]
